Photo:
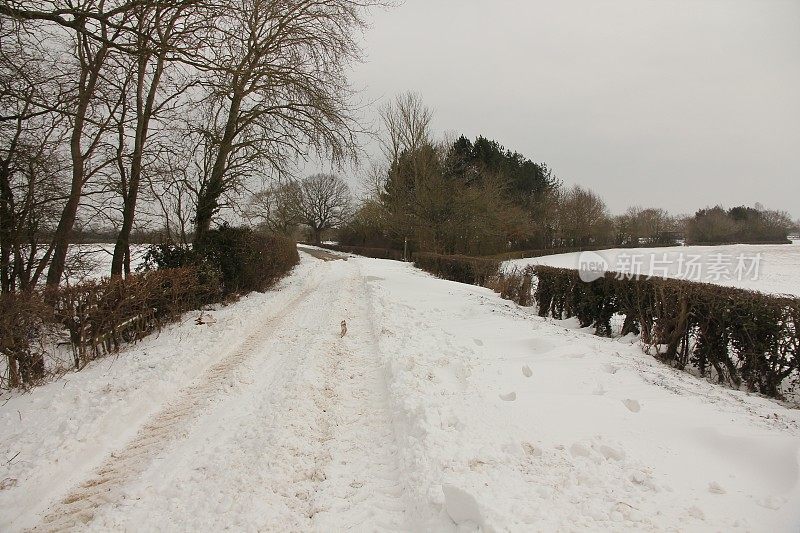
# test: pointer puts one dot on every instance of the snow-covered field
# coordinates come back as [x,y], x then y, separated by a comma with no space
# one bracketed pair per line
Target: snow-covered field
[443,408]
[771,269]
[93,261]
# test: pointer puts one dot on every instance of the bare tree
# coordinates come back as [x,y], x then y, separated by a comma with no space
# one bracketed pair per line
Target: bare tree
[325,203]
[275,72]
[89,116]
[276,208]
[406,122]
[161,29]
[31,162]
[271,88]
[583,218]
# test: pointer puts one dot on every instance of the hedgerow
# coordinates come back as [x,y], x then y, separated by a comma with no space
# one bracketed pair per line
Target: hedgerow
[376,253]
[464,269]
[98,317]
[741,337]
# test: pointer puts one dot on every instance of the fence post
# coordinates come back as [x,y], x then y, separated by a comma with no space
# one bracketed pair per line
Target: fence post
[405,249]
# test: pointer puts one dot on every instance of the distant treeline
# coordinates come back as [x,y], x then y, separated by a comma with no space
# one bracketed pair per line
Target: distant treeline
[738,225]
[478,198]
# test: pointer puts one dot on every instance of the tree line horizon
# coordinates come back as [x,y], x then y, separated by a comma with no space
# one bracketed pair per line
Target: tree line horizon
[167,117]
[458,196]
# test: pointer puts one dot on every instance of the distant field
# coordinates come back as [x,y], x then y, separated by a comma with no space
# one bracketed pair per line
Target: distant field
[777,270]
[93,261]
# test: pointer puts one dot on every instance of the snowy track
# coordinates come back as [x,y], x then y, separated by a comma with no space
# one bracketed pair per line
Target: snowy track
[290,431]
[174,422]
[443,408]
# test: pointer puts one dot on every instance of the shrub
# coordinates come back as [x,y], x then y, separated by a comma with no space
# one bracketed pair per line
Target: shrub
[471,270]
[744,337]
[247,260]
[23,319]
[244,260]
[514,285]
[164,256]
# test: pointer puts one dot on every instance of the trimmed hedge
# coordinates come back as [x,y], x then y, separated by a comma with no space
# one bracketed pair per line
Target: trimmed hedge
[100,316]
[376,253]
[244,260]
[743,337]
[461,268]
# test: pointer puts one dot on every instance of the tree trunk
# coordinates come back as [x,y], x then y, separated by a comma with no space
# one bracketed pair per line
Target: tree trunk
[144,112]
[208,199]
[90,72]
[61,238]
[6,209]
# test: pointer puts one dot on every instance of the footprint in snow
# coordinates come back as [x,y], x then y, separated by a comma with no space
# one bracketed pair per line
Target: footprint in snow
[632,405]
[478,342]
[526,371]
[510,397]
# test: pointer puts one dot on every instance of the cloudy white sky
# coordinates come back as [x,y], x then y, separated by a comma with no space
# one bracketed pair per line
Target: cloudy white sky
[670,103]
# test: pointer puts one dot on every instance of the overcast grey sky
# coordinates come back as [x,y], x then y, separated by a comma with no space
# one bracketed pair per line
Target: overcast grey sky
[670,103]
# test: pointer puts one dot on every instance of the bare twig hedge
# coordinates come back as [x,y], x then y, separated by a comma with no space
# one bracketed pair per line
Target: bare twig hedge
[98,317]
[514,285]
[23,321]
[743,337]
[102,315]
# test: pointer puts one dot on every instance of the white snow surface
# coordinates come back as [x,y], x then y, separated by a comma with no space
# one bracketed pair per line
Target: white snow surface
[778,271]
[443,408]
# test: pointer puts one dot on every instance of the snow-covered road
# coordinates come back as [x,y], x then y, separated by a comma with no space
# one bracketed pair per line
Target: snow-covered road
[442,408]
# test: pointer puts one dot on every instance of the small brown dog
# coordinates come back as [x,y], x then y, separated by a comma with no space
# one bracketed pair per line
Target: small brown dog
[344,328]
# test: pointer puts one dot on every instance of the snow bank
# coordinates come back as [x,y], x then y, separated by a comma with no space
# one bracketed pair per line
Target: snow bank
[511,422]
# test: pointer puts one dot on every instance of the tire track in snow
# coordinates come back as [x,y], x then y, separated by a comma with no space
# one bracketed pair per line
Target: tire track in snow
[171,423]
[362,485]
